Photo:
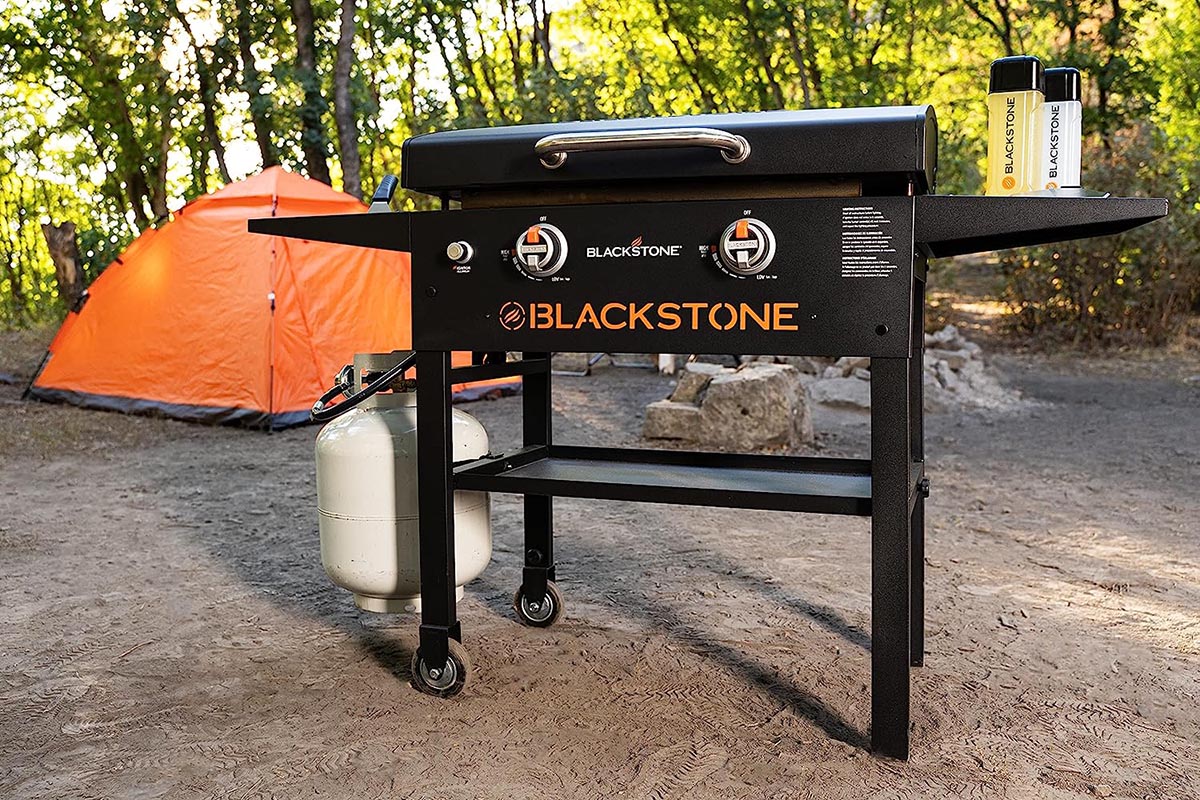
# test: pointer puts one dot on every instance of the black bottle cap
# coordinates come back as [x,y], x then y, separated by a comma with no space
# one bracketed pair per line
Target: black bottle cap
[1017,74]
[1063,83]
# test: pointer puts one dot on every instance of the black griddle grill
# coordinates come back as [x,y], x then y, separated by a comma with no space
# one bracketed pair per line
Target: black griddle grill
[649,236]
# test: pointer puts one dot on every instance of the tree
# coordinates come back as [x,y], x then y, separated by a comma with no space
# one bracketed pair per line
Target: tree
[343,104]
[313,139]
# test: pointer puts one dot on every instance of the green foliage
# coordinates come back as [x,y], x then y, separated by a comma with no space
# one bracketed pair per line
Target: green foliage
[1138,286]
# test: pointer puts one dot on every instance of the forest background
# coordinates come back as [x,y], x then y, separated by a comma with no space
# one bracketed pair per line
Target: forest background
[113,114]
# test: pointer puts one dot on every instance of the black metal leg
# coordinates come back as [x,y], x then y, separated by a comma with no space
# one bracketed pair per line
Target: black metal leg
[435,505]
[916,639]
[890,555]
[539,509]
[916,409]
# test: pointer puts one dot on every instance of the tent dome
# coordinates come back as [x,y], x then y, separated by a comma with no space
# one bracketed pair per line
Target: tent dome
[202,320]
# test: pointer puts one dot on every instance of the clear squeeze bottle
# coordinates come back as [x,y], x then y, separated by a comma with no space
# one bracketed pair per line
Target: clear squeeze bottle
[1015,95]
[1062,129]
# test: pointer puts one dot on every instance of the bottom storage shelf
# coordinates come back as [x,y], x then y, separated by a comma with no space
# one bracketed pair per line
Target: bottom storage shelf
[781,483]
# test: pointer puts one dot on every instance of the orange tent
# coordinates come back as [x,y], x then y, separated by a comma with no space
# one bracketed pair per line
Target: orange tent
[201,320]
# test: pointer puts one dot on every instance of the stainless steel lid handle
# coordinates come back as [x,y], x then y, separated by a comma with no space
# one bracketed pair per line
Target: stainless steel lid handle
[552,150]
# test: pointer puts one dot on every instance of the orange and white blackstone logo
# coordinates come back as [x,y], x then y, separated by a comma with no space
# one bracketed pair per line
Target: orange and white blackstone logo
[512,316]
[651,316]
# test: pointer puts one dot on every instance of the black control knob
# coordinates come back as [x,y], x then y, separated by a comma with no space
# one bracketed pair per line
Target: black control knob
[541,251]
[747,247]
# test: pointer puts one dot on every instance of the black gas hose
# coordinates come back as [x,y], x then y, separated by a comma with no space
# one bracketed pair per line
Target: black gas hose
[344,382]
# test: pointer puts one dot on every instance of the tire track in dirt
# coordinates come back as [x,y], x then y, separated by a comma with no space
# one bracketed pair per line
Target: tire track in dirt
[676,771]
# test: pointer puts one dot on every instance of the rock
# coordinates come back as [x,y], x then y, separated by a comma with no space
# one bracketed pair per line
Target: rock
[759,405]
[957,359]
[705,368]
[850,363]
[841,392]
[936,396]
[861,373]
[806,365]
[947,377]
[694,380]
[832,372]
[669,420]
[947,338]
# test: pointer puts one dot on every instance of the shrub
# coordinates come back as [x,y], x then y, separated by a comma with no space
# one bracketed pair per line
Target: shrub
[1140,286]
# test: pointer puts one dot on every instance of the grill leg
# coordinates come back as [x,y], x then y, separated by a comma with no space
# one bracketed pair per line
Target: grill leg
[916,407]
[890,555]
[435,505]
[539,509]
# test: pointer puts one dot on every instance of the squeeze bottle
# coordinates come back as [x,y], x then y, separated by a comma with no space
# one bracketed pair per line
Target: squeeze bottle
[1015,96]
[1062,129]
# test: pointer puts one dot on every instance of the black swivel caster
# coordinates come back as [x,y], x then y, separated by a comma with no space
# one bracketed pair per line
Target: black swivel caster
[446,680]
[542,614]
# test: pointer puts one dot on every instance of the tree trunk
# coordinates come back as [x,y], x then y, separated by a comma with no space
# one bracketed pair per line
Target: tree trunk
[211,138]
[439,33]
[211,133]
[667,22]
[1002,26]
[343,104]
[789,17]
[260,104]
[487,68]
[313,139]
[541,33]
[764,57]
[513,34]
[64,252]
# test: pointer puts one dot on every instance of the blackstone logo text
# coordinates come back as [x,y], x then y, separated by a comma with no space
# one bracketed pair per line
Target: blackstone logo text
[635,249]
[652,316]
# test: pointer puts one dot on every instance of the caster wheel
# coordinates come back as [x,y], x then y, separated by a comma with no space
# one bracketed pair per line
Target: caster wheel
[539,615]
[447,680]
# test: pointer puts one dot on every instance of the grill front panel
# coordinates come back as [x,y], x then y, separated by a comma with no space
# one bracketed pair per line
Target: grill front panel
[649,278]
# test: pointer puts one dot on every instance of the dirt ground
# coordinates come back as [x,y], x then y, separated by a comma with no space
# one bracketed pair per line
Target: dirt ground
[169,631]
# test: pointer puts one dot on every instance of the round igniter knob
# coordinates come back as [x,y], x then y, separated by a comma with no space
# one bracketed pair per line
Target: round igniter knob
[747,247]
[541,251]
[460,252]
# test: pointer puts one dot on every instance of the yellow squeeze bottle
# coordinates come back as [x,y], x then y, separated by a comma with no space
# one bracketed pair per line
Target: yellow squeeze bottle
[1015,96]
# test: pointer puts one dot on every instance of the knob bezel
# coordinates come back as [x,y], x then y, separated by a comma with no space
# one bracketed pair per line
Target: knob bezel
[556,252]
[756,263]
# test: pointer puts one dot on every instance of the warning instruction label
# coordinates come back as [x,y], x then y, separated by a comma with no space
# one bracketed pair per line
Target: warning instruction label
[867,247]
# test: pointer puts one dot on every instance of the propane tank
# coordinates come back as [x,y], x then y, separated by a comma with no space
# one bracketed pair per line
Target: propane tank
[367,503]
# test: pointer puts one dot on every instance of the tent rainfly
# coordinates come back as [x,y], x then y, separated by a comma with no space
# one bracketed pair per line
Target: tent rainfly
[202,321]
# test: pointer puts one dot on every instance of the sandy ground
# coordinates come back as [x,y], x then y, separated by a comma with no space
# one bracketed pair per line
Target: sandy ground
[169,632]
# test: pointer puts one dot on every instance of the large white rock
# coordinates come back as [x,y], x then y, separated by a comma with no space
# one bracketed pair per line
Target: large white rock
[666,419]
[758,405]
[841,392]
[694,380]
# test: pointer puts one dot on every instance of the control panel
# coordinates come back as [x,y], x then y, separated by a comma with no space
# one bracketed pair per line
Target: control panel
[813,276]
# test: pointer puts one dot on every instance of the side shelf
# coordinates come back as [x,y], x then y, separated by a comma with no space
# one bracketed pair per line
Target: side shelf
[952,225]
[386,231]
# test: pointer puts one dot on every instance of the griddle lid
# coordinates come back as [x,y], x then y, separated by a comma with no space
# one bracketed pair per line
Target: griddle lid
[891,142]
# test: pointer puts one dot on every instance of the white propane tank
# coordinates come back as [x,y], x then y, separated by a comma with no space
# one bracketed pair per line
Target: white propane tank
[367,502]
